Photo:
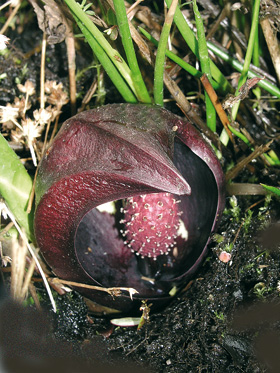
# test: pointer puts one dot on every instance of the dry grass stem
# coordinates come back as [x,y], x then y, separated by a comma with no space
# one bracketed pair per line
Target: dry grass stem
[89,95]
[273,45]
[71,55]
[6,229]
[218,21]
[114,291]
[42,71]
[186,108]
[32,194]
[217,104]
[54,129]
[231,174]
[133,6]
[18,254]
[142,45]
[171,12]
[7,212]
[34,295]
[10,18]
[245,189]
[27,279]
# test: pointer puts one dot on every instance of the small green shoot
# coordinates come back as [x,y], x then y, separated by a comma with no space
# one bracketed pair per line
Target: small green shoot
[272,189]
[219,315]
[247,221]
[235,209]
[260,290]
[85,7]
[228,247]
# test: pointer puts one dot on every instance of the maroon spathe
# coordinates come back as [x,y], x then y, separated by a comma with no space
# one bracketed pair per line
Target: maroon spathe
[110,154]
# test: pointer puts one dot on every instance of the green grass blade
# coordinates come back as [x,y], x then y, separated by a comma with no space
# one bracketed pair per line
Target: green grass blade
[202,45]
[191,41]
[256,58]
[272,89]
[249,53]
[241,136]
[179,61]
[272,160]
[205,66]
[141,89]
[15,186]
[108,66]
[272,189]
[97,37]
[160,57]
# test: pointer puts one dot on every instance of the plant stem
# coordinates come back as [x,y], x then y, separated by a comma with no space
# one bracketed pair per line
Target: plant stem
[256,57]
[191,41]
[249,53]
[160,57]
[141,89]
[108,66]
[179,61]
[239,66]
[103,49]
[217,104]
[205,66]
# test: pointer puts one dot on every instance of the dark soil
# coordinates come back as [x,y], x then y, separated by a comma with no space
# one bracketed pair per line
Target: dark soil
[226,320]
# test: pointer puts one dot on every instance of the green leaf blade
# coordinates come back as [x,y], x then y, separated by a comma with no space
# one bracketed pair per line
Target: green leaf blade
[15,186]
[272,189]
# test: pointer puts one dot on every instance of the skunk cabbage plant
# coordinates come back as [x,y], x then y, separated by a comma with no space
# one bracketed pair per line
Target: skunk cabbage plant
[163,184]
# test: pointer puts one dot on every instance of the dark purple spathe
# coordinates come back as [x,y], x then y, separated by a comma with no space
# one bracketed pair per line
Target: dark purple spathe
[109,154]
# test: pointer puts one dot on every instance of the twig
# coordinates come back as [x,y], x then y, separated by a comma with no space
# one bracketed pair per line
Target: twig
[137,346]
[217,23]
[115,291]
[231,174]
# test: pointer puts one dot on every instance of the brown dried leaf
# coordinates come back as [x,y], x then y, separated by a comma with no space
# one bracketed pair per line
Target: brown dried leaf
[51,20]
